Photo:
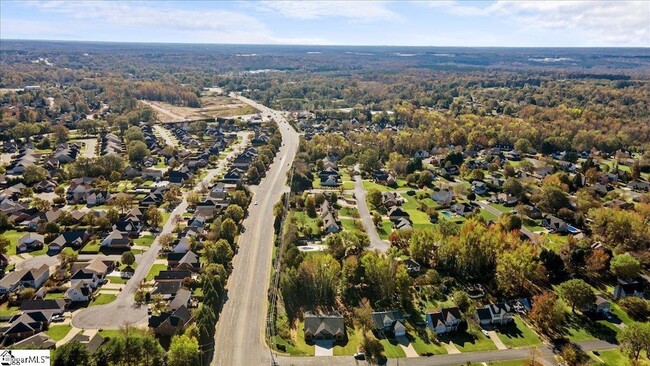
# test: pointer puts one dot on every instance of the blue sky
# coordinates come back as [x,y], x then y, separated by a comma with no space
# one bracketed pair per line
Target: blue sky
[416,23]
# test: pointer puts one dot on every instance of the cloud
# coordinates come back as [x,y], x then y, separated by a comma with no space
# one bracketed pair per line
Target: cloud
[357,11]
[612,23]
[160,21]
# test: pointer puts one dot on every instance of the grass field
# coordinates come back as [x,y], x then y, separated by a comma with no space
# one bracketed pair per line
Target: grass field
[116,279]
[111,333]
[355,337]
[392,349]
[616,357]
[91,247]
[144,241]
[467,342]
[423,345]
[518,335]
[155,269]
[57,332]
[6,310]
[54,295]
[103,299]
[299,340]
[12,236]
[385,229]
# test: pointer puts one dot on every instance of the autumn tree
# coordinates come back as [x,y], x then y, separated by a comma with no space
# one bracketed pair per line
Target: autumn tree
[625,266]
[576,292]
[547,314]
[597,262]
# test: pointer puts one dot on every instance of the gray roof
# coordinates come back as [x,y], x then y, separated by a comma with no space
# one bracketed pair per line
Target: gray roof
[327,325]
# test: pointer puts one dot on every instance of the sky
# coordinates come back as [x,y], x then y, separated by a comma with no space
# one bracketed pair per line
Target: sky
[501,23]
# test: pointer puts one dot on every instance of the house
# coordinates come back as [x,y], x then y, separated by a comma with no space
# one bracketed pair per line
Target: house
[168,323]
[555,224]
[601,305]
[444,197]
[172,276]
[421,154]
[402,223]
[10,281]
[391,322]
[324,327]
[499,313]
[181,299]
[183,261]
[395,213]
[444,320]
[116,240]
[412,267]
[461,208]
[479,188]
[390,199]
[625,288]
[530,211]
[26,325]
[74,239]
[55,307]
[79,292]
[30,242]
[450,170]
[92,343]
[329,223]
[330,181]
[37,341]
[34,277]
[85,276]
[97,198]
[639,185]
[505,198]
[167,289]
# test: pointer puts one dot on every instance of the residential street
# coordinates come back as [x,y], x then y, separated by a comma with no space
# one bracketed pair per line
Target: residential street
[533,236]
[366,217]
[106,316]
[165,134]
[239,338]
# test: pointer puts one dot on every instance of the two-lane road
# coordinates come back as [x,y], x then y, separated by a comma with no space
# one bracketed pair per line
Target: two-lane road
[239,338]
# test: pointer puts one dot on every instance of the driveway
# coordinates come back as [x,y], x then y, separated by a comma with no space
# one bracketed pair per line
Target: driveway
[407,347]
[165,134]
[534,237]
[497,341]
[324,348]
[366,218]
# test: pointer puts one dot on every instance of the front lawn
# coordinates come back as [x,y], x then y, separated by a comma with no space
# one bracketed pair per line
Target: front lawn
[111,333]
[103,299]
[298,336]
[144,241]
[7,311]
[355,336]
[92,247]
[116,279]
[155,269]
[470,342]
[423,343]
[385,229]
[58,332]
[392,349]
[54,295]
[518,335]
[616,357]
[12,236]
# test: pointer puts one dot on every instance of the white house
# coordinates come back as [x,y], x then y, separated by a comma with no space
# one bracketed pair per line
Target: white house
[80,292]
[444,320]
[500,313]
[443,197]
[85,276]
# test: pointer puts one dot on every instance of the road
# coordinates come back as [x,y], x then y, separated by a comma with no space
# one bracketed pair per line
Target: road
[90,145]
[124,310]
[165,134]
[534,237]
[174,116]
[366,218]
[239,338]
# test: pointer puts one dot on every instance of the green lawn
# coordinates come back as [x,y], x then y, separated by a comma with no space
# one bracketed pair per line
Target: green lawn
[468,342]
[58,332]
[303,219]
[401,186]
[411,206]
[299,341]
[385,229]
[91,247]
[488,216]
[509,363]
[355,336]
[423,343]
[289,348]
[349,211]
[144,241]
[111,333]
[518,335]
[54,295]
[12,236]
[116,279]
[616,357]
[155,269]
[6,310]
[103,299]
[392,349]
[351,224]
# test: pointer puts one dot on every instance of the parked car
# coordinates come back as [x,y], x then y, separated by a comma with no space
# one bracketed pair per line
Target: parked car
[58,318]
[360,356]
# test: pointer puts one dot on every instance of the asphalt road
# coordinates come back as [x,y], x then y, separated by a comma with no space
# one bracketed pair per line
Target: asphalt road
[123,310]
[165,134]
[534,237]
[366,217]
[239,338]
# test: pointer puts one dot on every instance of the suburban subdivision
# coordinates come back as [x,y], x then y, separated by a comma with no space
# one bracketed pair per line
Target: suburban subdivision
[183,205]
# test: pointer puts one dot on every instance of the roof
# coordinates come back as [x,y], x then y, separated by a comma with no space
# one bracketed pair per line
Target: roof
[172,275]
[167,288]
[83,274]
[38,340]
[35,273]
[92,343]
[387,319]
[484,314]
[316,324]
[181,299]
[52,304]
[444,316]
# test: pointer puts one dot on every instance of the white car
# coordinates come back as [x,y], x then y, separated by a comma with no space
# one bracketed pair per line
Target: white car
[485,332]
[255,203]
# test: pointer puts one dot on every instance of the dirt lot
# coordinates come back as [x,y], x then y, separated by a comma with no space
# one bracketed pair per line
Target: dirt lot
[212,107]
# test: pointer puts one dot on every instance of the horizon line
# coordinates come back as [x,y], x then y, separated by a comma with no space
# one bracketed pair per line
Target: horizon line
[307,45]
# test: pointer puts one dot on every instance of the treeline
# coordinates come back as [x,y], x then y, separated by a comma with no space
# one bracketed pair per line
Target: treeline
[171,94]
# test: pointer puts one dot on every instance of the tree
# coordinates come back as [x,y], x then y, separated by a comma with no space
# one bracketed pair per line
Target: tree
[552,199]
[625,266]
[172,195]
[547,314]
[4,245]
[228,230]
[137,151]
[193,198]
[363,315]
[72,354]
[513,187]
[510,222]
[576,292]
[422,245]
[183,351]
[372,348]
[128,258]
[461,299]
[597,261]
[310,207]
[153,215]
[425,178]
[636,307]
[158,304]
[517,270]
[376,218]
[219,252]
[34,174]
[523,146]
[41,205]
[375,197]
[166,240]
[123,202]
[634,338]
[60,132]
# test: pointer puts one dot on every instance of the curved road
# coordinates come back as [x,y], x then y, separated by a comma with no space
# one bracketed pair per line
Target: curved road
[124,310]
[239,338]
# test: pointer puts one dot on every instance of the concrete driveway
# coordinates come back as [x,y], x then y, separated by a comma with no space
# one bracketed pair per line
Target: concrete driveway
[324,348]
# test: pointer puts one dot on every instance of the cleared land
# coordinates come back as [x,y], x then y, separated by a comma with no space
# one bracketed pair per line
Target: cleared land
[211,107]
